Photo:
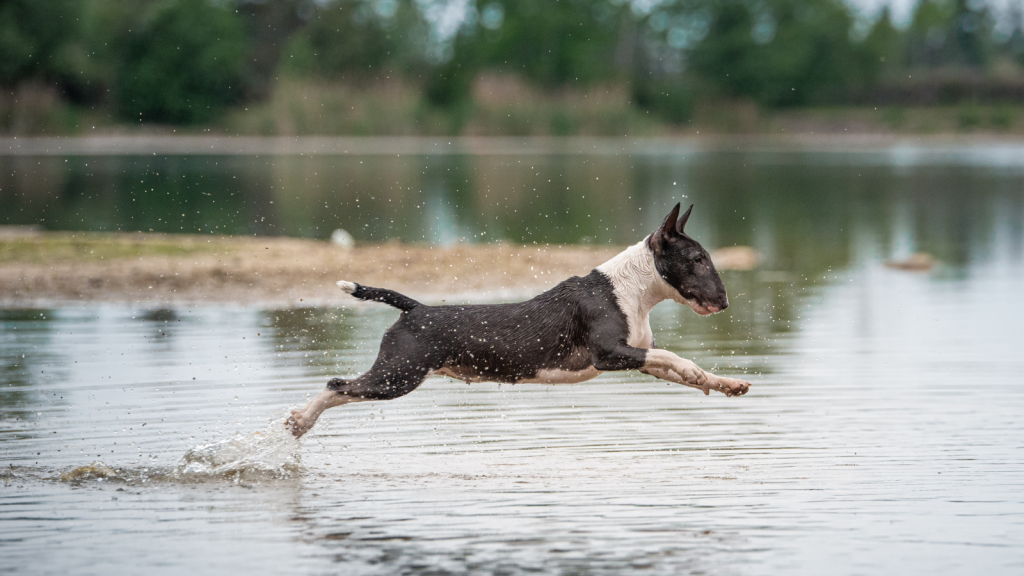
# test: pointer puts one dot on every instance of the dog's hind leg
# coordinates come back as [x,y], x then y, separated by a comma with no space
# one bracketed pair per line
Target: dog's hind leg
[302,420]
[386,380]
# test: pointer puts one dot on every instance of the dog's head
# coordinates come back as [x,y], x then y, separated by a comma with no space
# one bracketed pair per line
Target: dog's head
[686,266]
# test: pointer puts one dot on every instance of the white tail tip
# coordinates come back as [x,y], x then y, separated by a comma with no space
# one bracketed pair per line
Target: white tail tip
[347,286]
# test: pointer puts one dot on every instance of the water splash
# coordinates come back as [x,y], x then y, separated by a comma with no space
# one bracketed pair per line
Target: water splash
[272,453]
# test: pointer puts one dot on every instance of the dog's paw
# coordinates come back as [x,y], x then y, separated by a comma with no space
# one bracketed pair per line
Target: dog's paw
[346,286]
[693,376]
[731,386]
[298,424]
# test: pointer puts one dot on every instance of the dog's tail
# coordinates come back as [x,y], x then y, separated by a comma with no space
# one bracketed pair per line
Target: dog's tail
[389,297]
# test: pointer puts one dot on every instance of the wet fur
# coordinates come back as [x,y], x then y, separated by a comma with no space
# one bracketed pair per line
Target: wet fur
[571,333]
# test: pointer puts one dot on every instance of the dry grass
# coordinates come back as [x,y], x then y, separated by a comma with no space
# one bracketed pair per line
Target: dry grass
[506,105]
[81,248]
[501,106]
[297,108]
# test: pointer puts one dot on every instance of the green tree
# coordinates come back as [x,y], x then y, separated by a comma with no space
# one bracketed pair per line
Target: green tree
[268,26]
[181,63]
[1014,46]
[356,40]
[779,52]
[551,43]
[450,83]
[950,33]
[972,30]
[883,46]
[38,40]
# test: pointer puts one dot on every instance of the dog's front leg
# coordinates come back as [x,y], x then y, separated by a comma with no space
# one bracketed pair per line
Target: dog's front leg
[670,376]
[668,366]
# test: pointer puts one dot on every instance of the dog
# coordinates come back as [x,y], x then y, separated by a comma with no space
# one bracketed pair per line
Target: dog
[571,333]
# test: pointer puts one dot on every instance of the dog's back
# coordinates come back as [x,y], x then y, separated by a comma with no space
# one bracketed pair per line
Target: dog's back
[511,342]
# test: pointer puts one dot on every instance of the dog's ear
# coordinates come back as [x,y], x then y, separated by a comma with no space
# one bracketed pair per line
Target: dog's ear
[682,219]
[666,230]
[668,227]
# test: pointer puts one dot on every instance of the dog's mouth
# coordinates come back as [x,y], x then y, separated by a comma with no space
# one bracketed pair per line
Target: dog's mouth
[701,309]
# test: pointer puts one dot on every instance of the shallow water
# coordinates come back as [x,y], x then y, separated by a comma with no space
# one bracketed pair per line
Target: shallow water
[877,438]
[883,433]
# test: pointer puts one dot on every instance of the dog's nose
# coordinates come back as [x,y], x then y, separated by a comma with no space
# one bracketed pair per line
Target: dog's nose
[726,305]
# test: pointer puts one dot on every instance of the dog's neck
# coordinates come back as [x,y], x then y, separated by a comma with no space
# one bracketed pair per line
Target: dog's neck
[638,286]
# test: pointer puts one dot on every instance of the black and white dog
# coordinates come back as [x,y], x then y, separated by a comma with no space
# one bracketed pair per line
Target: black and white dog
[571,333]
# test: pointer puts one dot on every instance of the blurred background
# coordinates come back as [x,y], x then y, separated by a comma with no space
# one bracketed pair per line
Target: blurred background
[153,323]
[511,67]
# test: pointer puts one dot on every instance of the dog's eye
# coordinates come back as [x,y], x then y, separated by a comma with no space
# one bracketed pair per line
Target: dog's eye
[698,259]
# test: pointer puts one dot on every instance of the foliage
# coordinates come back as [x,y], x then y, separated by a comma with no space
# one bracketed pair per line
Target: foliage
[672,101]
[181,63]
[950,32]
[779,52]
[552,43]
[37,40]
[355,40]
[185,61]
[883,46]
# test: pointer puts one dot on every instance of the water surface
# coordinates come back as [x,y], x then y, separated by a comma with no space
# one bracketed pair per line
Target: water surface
[882,434]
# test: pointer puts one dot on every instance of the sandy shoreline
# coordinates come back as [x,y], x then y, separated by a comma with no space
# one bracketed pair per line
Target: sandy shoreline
[47,269]
[44,269]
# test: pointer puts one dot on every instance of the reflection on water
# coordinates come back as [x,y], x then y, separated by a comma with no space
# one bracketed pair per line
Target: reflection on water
[883,434]
[803,209]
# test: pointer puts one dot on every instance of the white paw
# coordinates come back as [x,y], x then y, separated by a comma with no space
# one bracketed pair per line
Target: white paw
[693,375]
[731,386]
[298,424]
[347,286]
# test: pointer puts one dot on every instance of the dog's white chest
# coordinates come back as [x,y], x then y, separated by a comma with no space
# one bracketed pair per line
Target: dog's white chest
[640,333]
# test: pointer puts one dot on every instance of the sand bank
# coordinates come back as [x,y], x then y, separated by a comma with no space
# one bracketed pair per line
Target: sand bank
[54,268]
[60,268]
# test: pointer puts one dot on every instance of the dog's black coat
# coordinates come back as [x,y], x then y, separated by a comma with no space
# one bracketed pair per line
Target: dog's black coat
[574,326]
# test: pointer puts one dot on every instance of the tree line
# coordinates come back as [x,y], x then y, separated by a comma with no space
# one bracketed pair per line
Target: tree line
[186,61]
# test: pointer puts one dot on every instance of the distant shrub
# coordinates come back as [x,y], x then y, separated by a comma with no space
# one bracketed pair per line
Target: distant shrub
[450,84]
[894,116]
[1002,117]
[563,124]
[669,101]
[968,116]
[183,64]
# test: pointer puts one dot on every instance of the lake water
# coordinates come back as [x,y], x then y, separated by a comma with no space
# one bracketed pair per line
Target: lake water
[883,433]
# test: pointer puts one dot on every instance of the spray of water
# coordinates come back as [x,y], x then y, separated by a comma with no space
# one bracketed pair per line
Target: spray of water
[270,453]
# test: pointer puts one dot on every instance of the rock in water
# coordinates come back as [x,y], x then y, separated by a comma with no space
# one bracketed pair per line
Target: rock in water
[920,262]
[88,472]
[735,258]
[343,239]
